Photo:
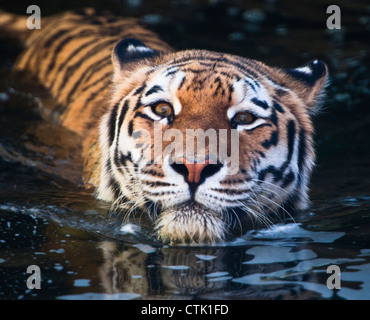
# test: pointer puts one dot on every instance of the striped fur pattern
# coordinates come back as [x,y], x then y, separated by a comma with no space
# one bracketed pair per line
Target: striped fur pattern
[109,88]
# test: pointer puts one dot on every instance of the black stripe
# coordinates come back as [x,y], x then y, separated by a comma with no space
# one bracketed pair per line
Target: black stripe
[120,158]
[99,65]
[250,84]
[225,60]
[192,70]
[261,154]
[288,179]
[140,89]
[152,172]
[181,83]
[246,69]
[112,123]
[154,89]
[255,82]
[125,158]
[231,191]
[128,157]
[138,104]
[113,184]
[34,52]
[115,187]
[122,115]
[46,43]
[157,183]
[260,103]
[56,35]
[274,118]
[232,182]
[171,73]
[219,86]
[72,68]
[291,139]
[278,172]
[90,70]
[231,90]
[68,59]
[130,128]
[281,92]
[96,92]
[63,43]
[56,54]
[272,141]
[172,66]
[278,107]
[302,152]
[162,193]
[142,115]
[103,78]
[230,76]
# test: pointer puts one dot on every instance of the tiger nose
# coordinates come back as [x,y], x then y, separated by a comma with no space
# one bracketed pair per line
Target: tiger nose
[195,173]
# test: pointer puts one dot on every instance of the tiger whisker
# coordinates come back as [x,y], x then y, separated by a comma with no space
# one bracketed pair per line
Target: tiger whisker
[264,188]
[237,217]
[281,207]
[257,203]
[269,183]
[259,216]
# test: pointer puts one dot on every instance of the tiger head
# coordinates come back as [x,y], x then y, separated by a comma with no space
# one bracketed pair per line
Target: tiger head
[255,122]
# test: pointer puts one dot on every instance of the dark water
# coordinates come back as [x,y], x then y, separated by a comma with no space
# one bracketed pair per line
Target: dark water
[48,221]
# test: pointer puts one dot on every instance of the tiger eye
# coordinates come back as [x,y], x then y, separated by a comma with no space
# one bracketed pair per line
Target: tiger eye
[244,118]
[163,109]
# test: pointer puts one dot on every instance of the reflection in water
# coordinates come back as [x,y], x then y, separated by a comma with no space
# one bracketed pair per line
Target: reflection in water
[166,271]
[276,269]
[287,261]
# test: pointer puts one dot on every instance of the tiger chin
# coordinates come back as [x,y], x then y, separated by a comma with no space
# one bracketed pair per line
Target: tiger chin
[191,196]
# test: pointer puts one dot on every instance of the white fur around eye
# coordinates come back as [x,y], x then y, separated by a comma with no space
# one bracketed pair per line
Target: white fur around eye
[176,106]
[251,126]
[168,85]
[149,112]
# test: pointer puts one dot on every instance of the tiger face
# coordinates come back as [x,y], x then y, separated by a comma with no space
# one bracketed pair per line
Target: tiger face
[255,122]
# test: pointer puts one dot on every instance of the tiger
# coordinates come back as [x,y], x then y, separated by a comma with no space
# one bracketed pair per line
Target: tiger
[116,80]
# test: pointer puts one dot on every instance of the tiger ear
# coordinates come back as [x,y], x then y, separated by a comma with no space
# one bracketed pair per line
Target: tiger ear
[130,51]
[309,82]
